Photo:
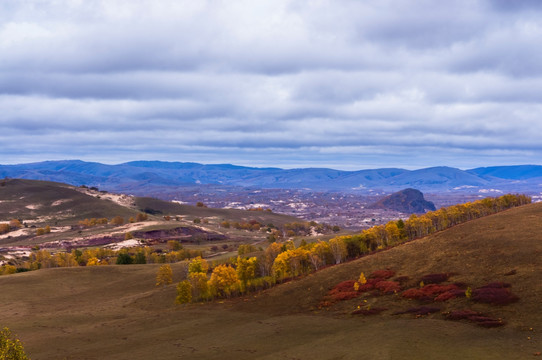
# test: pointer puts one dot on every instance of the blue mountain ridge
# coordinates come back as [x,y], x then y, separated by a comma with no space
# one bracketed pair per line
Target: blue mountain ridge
[141,174]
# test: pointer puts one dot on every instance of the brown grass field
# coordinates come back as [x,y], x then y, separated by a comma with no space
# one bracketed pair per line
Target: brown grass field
[116,312]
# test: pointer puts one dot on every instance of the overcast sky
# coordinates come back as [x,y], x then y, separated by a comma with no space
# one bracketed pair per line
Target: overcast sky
[340,84]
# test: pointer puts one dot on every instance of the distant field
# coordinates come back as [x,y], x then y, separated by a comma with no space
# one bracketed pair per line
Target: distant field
[116,312]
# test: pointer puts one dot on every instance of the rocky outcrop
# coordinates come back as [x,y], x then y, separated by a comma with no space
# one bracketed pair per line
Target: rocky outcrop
[406,201]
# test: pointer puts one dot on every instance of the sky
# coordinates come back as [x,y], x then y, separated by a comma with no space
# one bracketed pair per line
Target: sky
[339,84]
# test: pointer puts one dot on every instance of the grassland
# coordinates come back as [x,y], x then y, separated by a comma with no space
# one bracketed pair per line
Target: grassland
[116,312]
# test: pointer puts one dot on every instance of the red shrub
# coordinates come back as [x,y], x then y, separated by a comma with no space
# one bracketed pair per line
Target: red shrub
[382,274]
[366,287]
[342,291]
[388,287]
[494,296]
[435,278]
[344,296]
[344,286]
[428,291]
[450,294]
[372,311]
[491,323]
[475,317]
[413,293]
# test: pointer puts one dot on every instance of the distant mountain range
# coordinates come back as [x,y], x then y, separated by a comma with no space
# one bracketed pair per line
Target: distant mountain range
[138,177]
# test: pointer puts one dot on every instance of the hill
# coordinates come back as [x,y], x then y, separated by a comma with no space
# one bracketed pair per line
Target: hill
[116,312]
[62,207]
[156,177]
[406,201]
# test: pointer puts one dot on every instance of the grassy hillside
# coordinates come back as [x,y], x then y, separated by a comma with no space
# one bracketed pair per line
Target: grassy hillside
[115,312]
[45,201]
[61,206]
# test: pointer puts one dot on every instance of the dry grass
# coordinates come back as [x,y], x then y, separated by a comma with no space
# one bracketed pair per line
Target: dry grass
[116,312]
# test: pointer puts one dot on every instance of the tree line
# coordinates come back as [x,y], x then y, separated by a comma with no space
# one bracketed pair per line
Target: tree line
[284,260]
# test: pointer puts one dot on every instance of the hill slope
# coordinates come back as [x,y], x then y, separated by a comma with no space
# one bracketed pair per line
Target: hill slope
[116,312]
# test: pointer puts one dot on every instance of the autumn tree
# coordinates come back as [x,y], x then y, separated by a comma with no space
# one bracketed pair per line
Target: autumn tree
[198,265]
[93,261]
[10,348]
[141,217]
[338,249]
[117,220]
[4,228]
[267,259]
[224,280]
[164,276]
[184,292]
[15,224]
[174,245]
[246,269]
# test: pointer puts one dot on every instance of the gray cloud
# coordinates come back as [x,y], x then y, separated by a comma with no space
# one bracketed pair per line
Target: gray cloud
[345,84]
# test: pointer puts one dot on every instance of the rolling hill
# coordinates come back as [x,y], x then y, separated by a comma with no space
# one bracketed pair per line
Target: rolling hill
[40,203]
[116,312]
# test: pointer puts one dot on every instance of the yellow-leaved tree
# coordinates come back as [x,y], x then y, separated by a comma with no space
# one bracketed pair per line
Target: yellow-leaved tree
[10,348]
[164,276]
[184,292]
[224,280]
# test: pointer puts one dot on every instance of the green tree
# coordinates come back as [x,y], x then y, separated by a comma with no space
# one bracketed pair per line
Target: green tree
[140,257]
[123,258]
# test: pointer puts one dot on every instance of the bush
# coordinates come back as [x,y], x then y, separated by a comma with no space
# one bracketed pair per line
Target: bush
[428,292]
[494,296]
[388,287]
[475,317]
[124,259]
[435,278]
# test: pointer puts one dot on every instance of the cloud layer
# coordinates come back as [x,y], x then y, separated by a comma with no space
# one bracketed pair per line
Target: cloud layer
[343,84]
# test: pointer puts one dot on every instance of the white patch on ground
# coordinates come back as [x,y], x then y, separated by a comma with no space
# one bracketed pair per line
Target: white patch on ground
[61,201]
[16,233]
[179,202]
[297,205]
[33,206]
[60,229]
[18,253]
[137,226]
[120,199]
[124,244]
